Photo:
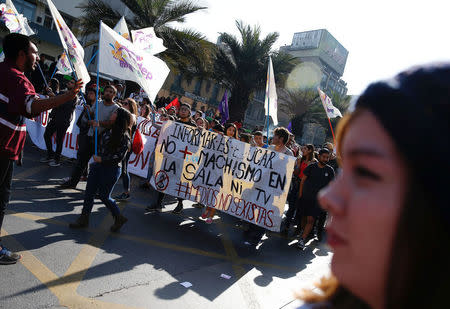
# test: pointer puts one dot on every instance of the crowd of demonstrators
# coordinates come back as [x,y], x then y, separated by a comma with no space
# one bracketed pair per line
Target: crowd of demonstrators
[116,124]
[18,101]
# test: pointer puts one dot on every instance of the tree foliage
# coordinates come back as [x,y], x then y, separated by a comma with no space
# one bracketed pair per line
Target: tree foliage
[241,65]
[188,51]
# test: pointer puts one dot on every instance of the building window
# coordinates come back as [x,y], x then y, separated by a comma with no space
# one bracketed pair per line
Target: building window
[25,8]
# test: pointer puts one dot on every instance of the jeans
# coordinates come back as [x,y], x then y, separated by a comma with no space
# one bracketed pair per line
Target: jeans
[125,175]
[6,172]
[84,154]
[60,129]
[102,178]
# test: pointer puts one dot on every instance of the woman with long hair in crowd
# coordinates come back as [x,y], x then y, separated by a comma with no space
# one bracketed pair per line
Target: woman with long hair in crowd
[145,111]
[294,210]
[105,171]
[130,105]
[390,227]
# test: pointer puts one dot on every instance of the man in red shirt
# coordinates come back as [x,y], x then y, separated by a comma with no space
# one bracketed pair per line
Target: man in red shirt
[17,101]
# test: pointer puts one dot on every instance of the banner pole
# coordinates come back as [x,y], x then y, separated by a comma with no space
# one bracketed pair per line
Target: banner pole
[54,71]
[98,81]
[76,78]
[42,73]
[332,132]
[268,100]
[92,58]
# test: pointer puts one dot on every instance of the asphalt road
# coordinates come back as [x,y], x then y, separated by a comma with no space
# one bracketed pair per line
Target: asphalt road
[144,264]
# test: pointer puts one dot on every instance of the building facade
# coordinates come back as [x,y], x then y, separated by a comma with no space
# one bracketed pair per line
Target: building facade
[320,48]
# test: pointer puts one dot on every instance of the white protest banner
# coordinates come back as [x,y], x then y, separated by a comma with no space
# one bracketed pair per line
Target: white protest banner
[63,65]
[70,44]
[138,164]
[247,182]
[147,40]
[119,57]
[36,129]
[122,28]
[15,22]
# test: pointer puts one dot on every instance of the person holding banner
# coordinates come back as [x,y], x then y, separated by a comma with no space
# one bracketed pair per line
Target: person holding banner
[280,137]
[184,116]
[18,100]
[106,108]
[105,171]
[60,118]
[130,105]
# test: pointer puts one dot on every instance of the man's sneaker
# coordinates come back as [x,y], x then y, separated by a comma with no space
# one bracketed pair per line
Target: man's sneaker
[7,257]
[122,197]
[54,163]
[178,209]
[46,160]
[209,221]
[301,244]
[67,185]
[81,222]
[118,222]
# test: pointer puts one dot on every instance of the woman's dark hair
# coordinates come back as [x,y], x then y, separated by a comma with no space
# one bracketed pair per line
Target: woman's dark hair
[218,127]
[120,128]
[283,133]
[228,125]
[114,89]
[310,156]
[54,85]
[419,266]
[146,110]
[133,106]
[13,43]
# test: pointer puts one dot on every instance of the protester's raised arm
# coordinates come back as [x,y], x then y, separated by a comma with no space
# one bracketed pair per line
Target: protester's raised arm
[40,105]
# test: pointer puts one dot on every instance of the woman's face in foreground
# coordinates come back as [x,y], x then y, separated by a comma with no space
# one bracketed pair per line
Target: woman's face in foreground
[365,202]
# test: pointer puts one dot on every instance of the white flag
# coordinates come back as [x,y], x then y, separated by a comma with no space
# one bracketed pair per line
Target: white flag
[70,44]
[147,40]
[270,104]
[122,28]
[63,65]
[332,112]
[119,57]
[15,22]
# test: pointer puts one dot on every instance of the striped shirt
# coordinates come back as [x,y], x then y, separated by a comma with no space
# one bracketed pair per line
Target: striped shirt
[16,96]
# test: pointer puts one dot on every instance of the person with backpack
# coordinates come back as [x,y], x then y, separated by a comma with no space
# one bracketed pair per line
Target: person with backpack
[113,146]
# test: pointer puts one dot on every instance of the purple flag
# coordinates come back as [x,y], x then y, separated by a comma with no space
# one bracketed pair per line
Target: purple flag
[289,127]
[223,108]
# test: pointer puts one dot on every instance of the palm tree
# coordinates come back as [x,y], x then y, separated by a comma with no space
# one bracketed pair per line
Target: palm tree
[188,51]
[297,105]
[241,65]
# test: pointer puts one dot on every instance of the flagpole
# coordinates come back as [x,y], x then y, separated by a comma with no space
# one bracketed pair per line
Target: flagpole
[92,58]
[98,81]
[76,78]
[332,132]
[268,100]
[54,71]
